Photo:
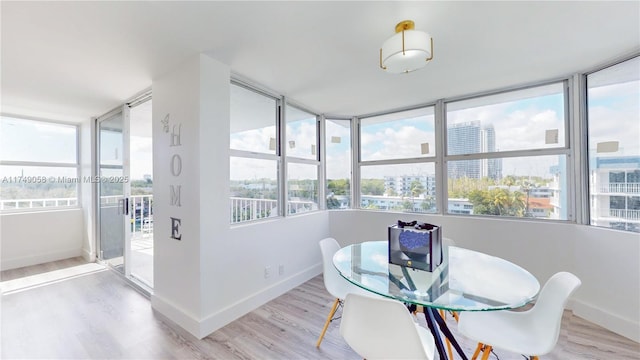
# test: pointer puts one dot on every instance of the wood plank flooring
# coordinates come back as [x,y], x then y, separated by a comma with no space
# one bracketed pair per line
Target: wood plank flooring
[98,316]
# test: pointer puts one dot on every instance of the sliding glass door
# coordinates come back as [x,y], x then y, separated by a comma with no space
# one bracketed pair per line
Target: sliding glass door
[113,189]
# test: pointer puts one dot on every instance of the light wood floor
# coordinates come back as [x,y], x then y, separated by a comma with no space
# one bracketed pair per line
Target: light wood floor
[98,316]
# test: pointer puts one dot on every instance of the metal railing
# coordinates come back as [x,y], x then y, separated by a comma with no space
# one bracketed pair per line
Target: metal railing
[248,209]
[17,204]
[141,215]
[620,188]
[625,214]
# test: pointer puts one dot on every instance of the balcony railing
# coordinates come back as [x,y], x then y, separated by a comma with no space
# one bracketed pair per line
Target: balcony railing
[247,209]
[625,214]
[620,188]
[17,204]
[141,215]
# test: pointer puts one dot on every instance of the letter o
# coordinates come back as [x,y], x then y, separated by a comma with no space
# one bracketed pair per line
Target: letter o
[176,165]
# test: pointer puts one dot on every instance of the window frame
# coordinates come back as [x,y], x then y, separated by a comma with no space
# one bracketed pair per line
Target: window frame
[75,165]
[277,156]
[567,150]
[320,173]
[582,100]
[356,202]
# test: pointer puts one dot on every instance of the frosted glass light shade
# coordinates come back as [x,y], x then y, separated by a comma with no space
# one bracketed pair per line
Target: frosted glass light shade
[417,50]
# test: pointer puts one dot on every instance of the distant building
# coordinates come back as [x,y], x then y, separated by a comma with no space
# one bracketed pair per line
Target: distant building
[471,138]
[401,185]
[615,192]
[539,207]
[464,138]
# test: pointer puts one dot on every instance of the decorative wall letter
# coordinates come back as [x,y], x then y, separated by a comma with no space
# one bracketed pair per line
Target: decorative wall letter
[175,195]
[175,135]
[175,228]
[176,165]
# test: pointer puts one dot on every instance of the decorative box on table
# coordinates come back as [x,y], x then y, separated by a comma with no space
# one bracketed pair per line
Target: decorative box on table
[415,245]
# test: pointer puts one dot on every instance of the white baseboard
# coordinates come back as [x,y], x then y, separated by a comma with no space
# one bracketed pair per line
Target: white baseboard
[619,325]
[88,256]
[225,316]
[178,316]
[211,323]
[36,259]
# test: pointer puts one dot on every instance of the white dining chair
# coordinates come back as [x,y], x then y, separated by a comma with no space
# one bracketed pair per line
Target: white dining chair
[533,332]
[381,328]
[335,284]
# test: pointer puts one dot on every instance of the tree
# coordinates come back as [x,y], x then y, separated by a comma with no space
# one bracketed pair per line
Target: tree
[338,186]
[332,202]
[417,188]
[372,186]
[501,202]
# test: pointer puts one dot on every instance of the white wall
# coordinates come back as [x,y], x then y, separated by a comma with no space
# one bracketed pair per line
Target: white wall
[215,273]
[38,237]
[607,261]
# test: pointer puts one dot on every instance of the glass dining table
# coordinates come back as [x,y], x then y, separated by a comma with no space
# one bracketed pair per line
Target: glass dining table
[466,280]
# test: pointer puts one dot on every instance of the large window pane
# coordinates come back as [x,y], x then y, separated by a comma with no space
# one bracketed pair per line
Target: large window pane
[533,186]
[401,187]
[37,141]
[613,113]
[302,134]
[338,163]
[526,119]
[401,135]
[253,121]
[302,182]
[254,189]
[29,187]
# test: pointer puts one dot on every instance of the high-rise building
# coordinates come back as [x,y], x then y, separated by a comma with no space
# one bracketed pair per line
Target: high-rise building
[471,138]
[491,168]
[464,138]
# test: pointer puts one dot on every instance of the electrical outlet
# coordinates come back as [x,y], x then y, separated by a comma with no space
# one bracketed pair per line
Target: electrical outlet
[281,270]
[267,271]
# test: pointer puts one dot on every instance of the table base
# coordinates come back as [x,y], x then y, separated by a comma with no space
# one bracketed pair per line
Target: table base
[433,318]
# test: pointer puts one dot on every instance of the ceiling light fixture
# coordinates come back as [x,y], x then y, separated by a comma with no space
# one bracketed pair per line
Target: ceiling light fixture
[408,50]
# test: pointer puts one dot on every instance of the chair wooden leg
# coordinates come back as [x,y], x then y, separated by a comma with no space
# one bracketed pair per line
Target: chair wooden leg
[455,315]
[477,352]
[326,324]
[486,352]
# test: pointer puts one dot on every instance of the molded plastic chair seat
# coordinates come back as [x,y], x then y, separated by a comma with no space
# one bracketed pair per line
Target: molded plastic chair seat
[381,328]
[335,284]
[533,332]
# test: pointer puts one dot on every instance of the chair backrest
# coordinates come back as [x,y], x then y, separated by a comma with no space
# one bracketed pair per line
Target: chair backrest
[546,314]
[380,328]
[336,285]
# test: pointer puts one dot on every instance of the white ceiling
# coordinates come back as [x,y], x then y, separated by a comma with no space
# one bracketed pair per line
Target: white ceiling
[74,60]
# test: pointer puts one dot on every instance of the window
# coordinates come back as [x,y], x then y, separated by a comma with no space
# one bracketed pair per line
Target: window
[397,166]
[506,153]
[303,160]
[254,160]
[613,110]
[38,164]
[399,187]
[254,189]
[338,163]
[399,135]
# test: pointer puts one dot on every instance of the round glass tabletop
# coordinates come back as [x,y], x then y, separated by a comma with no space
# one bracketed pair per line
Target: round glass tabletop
[467,280]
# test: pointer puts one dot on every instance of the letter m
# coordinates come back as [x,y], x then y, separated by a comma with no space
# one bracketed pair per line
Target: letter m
[175,195]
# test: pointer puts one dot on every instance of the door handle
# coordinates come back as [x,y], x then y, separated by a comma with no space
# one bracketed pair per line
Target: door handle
[126,200]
